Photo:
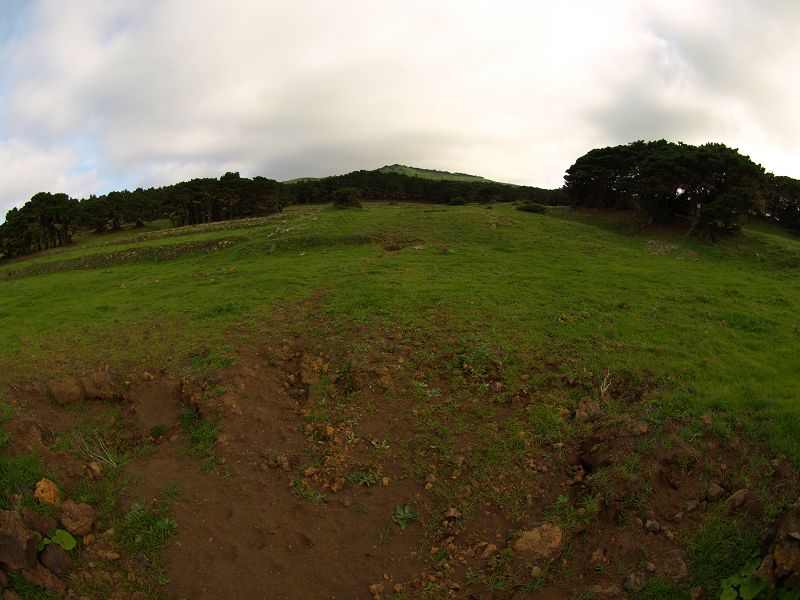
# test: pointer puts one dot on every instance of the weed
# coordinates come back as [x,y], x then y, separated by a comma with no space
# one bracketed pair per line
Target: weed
[157,431]
[145,531]
[26,589]
[305,492]
[403,515]
[361,478]
[202,434]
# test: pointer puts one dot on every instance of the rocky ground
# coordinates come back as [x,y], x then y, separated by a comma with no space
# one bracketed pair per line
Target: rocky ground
[385,464]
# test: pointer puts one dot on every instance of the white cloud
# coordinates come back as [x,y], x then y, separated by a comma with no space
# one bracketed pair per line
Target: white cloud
[26,169]
[515,91]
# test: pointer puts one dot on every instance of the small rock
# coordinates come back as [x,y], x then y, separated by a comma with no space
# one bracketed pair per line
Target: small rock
[651,568]
[78,519]
[452,514]
[489,550]
[599,556]
[385,482]
[43,577]
[652,526]
[146,376]
[55,558]
[89,539]
[611,590]
[714,492]
[541,541]
[67,390]
[376,589]
[557,446]
[309,471]
[108,555]
[536,572]
[17,542]
[283,462]
[737,498]
[338,485]
[47,493]
[430,478]
[588,410]
[94,470]
[37,521]
[635,582]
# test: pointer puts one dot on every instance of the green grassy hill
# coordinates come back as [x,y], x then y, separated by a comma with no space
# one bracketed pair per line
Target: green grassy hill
[453,352]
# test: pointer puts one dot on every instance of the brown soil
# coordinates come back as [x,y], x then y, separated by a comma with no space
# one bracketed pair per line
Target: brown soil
[248,530]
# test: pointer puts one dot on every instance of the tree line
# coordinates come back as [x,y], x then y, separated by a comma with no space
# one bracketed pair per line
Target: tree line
[50,220]
[712,188]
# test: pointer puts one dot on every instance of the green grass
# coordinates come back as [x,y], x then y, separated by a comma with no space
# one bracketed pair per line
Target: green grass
[202,437]
[696,326]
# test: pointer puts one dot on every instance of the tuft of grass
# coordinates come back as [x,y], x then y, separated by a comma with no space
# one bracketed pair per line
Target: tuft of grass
[202,434]
[361,478]
[26,589]
[305,492]
[18,475]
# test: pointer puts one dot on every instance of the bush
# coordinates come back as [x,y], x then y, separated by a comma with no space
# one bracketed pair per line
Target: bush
[348,197]
[457,201]
[533,207]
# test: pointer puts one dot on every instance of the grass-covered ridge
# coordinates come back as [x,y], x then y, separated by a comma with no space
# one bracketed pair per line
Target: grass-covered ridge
[700,326]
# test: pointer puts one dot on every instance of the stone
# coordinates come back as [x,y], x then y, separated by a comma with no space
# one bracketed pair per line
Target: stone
[652,526]
[76,518]
[611,590]
[55,558]
[588,410]
[489,550]
[47,493]
[67,390]
[714,492]
[94,470]
[635,582]
[17,542]
[453,513]
[40,523]
[673,567]
[283,462]
[376,589]
[108,555]
[43,577]
[541,541]
[737,498]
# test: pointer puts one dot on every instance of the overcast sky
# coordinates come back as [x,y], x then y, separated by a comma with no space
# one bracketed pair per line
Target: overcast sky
[101,95]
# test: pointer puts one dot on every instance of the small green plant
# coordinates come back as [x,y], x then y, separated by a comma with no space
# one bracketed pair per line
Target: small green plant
[202,434]
[744,585]
[145,531]
[157,431]
[403,515]
[59,537]
[361,478]
[305,492]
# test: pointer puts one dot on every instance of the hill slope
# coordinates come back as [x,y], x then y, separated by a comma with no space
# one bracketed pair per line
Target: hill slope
[430,399]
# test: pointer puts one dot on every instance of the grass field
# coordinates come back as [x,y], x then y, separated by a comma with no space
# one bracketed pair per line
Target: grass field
[485,300]
[711,326]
